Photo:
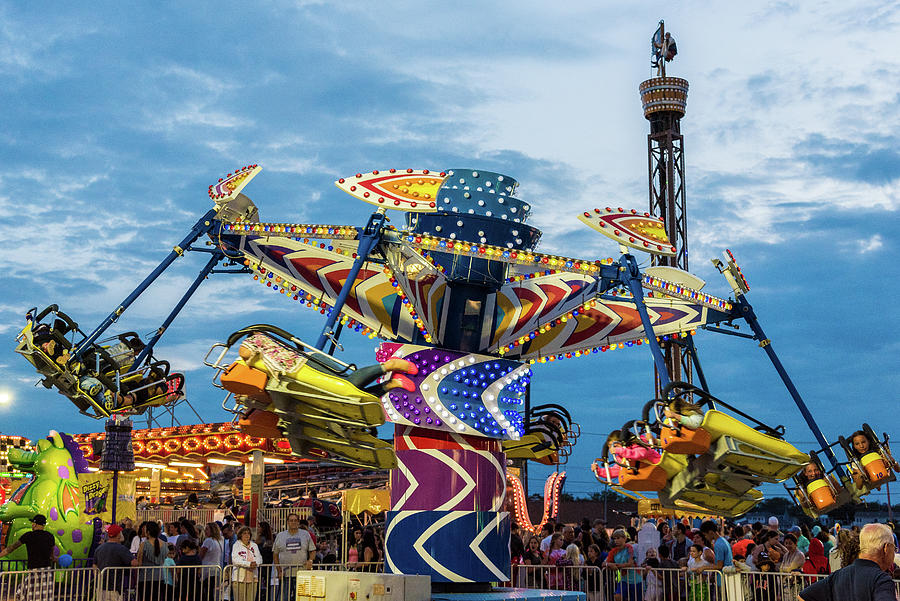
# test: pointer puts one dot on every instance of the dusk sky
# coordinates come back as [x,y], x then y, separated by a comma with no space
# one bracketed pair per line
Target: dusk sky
[117,117]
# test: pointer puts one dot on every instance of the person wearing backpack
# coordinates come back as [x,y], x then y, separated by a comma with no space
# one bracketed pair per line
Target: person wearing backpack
[816,563]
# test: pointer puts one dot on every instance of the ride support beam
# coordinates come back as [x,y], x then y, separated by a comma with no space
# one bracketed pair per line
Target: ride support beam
[369,238]
[630,276]
[202,227]
[746,311]
[204,273]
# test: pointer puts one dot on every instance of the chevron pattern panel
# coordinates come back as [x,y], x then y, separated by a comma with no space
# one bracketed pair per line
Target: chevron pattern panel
[449,546]
[469,480]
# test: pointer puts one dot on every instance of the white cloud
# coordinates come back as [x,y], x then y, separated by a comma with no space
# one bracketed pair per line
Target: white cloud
[872,244]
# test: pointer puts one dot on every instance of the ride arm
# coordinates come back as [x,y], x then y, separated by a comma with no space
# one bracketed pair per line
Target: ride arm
[145,352]
[630,275]
[205,225]
[746,311]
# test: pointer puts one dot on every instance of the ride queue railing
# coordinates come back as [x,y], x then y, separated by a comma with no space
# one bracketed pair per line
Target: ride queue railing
[267,582]
[75,584]
[629,584]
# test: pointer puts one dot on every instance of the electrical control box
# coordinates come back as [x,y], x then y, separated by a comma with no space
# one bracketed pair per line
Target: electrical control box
[316,585]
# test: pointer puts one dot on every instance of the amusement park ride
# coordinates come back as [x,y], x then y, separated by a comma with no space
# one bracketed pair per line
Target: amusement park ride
[466,308]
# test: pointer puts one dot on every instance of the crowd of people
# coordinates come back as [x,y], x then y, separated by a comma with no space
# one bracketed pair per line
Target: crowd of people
[688,557]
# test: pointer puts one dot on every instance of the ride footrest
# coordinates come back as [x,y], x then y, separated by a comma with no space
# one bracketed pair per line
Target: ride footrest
[717,501]
[358,414]
[749,458]
[351,446]
[360,409]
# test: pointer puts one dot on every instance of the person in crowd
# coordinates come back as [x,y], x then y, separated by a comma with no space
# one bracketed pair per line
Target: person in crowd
[867,578]
[792,559]
[802,541]
[188,581]
[293,547]
[113,554]
[128,531]
[846,551]
[212,553]
[353,547]
[246,559]
[600,535]
[369,553]
[742,542]
[532,555]
[264,540]
[621,557]
[822,535]
[187,530]
[555,557]
[681,545]
[698,584]
[151,553]
[228,538]
[139,538]
[773,526]
[40,546]
[816,563]
[546,533]
[721,549]
[665,533]
[168,584]
[516,546]
[172,534]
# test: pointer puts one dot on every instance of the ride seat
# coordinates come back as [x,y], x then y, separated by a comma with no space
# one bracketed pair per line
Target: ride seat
[244,380]
[685,441]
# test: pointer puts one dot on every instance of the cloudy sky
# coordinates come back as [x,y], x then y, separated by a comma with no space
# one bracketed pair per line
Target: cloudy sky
[116,119]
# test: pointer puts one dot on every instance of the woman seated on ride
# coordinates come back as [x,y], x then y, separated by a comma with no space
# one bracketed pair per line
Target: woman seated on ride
[364,378]
[811,472]
[683,413]
[864,449]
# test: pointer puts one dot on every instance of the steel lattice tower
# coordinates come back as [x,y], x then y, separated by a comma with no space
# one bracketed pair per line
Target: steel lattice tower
[664,100]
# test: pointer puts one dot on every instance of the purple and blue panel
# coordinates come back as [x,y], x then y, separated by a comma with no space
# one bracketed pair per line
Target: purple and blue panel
[460,392]
[449,546]
[470,480]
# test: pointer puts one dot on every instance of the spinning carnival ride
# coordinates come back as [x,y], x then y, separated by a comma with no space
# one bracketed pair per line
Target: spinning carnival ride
[466,306]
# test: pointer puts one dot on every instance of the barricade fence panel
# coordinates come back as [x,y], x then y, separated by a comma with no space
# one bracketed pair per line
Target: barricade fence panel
[161,583]
[48,583]
[772,586]
[277,516]
[628,584]
[199,515]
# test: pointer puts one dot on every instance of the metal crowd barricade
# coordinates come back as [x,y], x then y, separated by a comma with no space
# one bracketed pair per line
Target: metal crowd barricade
[584,579]
[629,584]
[160,583]
[49,584]
[277,516]
[200,515]
[771,586]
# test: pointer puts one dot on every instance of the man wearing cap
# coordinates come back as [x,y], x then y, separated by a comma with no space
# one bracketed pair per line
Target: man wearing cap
[40,546]
[39,543]
[112,554]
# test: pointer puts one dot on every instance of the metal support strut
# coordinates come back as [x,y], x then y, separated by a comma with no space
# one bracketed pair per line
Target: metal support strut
[630,275]
[207,269]
[369,238]
[746,311]
[202,227]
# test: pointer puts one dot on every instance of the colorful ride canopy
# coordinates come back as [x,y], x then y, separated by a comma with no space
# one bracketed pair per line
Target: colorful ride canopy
[464,273]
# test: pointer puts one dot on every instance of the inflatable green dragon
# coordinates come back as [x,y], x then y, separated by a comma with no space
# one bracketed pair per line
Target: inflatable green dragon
[54,492]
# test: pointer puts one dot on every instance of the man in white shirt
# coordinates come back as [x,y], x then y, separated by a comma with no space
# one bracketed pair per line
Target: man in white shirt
[292,547]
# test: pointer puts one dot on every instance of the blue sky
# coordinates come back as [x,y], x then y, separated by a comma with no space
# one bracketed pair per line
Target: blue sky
[116,119]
